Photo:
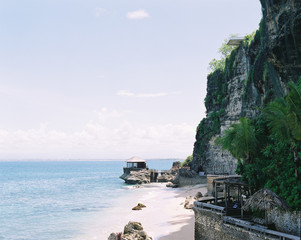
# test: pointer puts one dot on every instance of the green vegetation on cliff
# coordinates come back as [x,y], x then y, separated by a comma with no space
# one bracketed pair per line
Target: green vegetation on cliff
[216,99]
[240,140]
[275,161]
[224,51]
[187,162]
[253,75]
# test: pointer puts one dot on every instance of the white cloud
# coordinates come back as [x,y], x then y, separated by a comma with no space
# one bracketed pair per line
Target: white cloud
[100,76]
[100,11]
[126,93]
[151,95]
[139,14]
[110,135]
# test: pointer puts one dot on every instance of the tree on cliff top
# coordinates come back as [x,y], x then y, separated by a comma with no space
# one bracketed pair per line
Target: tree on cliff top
[224,51]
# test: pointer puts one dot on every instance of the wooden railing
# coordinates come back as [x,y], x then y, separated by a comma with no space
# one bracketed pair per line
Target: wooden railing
[211,207]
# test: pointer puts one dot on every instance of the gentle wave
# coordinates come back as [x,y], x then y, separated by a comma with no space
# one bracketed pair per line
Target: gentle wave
[59,200]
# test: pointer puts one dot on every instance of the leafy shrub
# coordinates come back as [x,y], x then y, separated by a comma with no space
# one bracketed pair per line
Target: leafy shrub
[187,162]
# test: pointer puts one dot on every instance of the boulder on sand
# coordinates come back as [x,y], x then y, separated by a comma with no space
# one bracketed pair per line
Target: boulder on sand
[189,202]
[170,184]
[198,195]
[132,231]
[139,206]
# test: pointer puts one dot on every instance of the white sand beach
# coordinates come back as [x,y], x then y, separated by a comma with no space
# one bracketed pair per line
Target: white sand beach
[164,217]
[184,224]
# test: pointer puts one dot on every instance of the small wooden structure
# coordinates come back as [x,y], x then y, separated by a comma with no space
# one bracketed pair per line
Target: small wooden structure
[265,200]
[134,164]
[235,41]
[234,190]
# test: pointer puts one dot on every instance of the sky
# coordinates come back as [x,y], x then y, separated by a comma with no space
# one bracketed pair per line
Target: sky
[95,79]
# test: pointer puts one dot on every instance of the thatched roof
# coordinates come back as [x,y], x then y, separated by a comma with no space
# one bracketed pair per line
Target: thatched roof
[135,159]
[231,180]
[265,199]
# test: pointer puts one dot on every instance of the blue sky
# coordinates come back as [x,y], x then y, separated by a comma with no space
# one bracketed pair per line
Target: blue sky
[109,79]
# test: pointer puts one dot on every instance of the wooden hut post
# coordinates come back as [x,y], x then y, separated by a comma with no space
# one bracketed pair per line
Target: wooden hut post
[228,190]
[225,191]
[241,203]
[215,193]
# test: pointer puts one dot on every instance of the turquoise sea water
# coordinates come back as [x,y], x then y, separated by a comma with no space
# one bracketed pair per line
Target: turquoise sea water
[52,200]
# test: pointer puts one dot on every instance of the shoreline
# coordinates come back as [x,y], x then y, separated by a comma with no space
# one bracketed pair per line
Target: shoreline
[186,224]
[164,217]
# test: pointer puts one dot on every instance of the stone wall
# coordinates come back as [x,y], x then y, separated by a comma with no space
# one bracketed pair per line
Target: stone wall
[186,177]
[288,222]
[209,226]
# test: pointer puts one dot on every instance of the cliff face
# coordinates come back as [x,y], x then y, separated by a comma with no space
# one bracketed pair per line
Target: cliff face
[255,73]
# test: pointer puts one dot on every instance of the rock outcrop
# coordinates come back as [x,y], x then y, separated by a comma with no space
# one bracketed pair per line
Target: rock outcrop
[136,177]
[132,231]
[189,200]
[168,176]
[187,177]
[255,73]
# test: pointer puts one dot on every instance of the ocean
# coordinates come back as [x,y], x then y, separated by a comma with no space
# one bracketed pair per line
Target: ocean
[66,200]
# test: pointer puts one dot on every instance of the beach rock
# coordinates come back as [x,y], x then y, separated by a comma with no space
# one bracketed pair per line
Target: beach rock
[169,184]
[137,208]
[136,177]
[168,176]
[134,231]
[115,236]
[198,195]
[131,227]
[185,177]
[172,185]
[189,201]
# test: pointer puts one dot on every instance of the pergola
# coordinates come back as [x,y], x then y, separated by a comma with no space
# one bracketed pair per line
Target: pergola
[235,41]
[136,162]
[229,186]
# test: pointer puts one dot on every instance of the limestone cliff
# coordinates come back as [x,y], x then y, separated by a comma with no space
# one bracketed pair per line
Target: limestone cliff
[255,73]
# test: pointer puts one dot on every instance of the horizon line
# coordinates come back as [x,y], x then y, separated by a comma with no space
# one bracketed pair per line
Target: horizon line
[81,160]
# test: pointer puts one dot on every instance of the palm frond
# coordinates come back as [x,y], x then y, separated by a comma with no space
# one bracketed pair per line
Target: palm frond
[239,139]
[277,115]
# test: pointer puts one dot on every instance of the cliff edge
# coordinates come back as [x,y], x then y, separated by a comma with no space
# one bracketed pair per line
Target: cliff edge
[255,73]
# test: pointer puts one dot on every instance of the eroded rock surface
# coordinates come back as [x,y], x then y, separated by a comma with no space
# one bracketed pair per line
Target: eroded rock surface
[256,73]
[168,176]
[187,177]
[136,177]
[132,231]
[189,202]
